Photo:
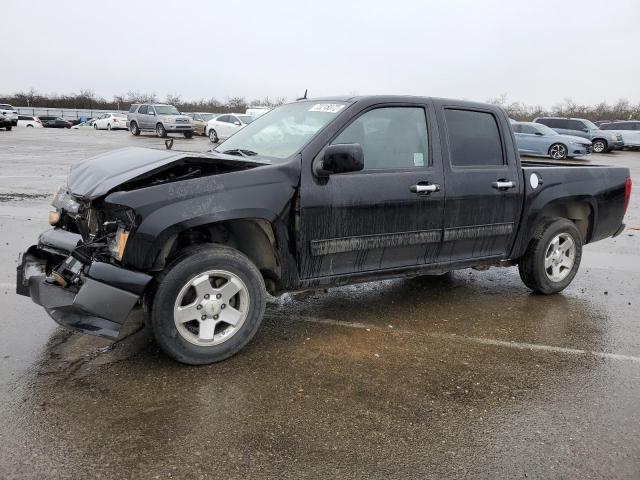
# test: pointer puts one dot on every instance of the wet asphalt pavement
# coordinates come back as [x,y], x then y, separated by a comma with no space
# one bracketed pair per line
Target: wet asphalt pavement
[468,375]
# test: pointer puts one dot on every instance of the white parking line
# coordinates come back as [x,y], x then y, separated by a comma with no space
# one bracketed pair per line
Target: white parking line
[482,341]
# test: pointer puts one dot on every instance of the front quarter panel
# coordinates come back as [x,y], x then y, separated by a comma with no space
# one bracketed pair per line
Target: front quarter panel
[165,210]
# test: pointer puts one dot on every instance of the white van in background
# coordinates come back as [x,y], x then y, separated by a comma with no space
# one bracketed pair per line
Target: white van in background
[257,111]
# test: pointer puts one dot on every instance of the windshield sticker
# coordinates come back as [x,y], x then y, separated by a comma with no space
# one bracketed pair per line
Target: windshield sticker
[327,107]
[418,159]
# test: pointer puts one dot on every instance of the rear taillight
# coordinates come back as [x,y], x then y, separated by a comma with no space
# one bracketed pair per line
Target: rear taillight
[627,194]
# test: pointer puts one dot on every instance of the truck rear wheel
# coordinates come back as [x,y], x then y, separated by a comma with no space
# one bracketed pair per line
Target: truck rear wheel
[208,305]
[552,257]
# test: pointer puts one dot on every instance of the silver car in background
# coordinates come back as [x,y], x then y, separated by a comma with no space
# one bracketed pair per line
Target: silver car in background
[159,118]
[538,139]
[9,113]
[601,140]
[630,131]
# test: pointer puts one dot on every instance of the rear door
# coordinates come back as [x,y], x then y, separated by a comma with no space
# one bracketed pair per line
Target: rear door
[142,117]
[577,129]
[378,218]
[484,190]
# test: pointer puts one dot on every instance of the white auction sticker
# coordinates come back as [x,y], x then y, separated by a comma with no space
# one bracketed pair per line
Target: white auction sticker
[327,107]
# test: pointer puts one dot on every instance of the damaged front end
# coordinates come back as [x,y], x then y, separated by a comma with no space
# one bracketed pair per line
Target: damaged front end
[75,270]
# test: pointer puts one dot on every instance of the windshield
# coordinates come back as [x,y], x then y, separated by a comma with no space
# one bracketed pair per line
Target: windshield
[166,110]
[544,129]
[246,119]
[5,106]
[284,130]
[590,125]
[207,116]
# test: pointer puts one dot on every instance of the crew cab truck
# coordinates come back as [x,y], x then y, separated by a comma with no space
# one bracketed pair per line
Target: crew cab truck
[313,194]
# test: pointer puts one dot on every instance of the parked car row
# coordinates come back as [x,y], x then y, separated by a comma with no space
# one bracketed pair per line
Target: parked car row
[162,119]
[561,138]
[601,140]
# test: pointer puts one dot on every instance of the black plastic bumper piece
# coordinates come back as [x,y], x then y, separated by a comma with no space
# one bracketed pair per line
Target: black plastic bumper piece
[99,306]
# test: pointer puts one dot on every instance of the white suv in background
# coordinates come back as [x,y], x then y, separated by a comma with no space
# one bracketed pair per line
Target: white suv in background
[630,131]
[9,112]
[223,126]
[110,121]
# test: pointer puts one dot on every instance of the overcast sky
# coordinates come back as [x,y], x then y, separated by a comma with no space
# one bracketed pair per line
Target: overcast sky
[537,52]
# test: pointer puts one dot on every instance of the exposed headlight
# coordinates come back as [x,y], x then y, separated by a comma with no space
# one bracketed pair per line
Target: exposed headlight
[64,201]
[169,119]
[118,243]
[614,136]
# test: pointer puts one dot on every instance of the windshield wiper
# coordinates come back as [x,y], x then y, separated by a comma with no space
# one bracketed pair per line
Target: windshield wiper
[241,152]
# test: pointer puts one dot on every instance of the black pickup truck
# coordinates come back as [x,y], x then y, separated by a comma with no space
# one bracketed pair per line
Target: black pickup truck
[313,194]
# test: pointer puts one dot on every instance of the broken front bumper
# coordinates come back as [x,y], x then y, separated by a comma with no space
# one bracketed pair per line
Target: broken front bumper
[98,305]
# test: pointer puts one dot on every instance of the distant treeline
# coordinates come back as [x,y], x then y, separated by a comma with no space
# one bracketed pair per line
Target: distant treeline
[621,110]
[89,100]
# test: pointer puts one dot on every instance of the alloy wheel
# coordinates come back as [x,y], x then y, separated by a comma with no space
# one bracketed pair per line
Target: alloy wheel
[211,307]
[560,257]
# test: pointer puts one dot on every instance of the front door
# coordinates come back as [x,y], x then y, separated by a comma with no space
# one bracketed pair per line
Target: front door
[484,188]
[387,216]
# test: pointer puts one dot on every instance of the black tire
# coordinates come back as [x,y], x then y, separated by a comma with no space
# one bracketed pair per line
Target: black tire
[134,129]
[29,126]
[558,151]
[192,262]
[161,131]
[9,127]
[109,126]
[188,134]
[532,264]
[600,145]
[213,136]
[95,126]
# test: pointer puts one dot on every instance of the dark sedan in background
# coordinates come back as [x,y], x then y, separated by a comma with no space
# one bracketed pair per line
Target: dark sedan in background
[55,122]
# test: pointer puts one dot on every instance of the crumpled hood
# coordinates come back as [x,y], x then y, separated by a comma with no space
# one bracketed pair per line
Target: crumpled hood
[98,175]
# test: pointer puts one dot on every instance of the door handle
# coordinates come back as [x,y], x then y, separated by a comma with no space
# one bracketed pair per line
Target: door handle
[424,188]
[503,184]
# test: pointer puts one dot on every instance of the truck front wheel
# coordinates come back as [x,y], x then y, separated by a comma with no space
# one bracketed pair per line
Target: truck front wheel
[552,257]
[208,305]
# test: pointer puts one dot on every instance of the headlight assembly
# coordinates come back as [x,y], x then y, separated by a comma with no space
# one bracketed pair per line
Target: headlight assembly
[168,119]
[64,201]
[118,243]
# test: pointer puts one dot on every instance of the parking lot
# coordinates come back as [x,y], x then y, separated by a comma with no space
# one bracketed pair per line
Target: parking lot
[468,375]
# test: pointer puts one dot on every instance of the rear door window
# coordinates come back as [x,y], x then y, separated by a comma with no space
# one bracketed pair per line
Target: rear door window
[575,125]
[474,138]
[143,109]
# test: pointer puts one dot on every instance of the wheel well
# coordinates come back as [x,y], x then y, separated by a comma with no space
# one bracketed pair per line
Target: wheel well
[254,237]
[601,139]
[556,143]
[580,213]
